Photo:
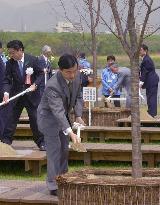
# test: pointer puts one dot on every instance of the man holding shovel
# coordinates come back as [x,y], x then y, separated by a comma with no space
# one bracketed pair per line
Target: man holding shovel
[61,95]
[22,72]
[124,81]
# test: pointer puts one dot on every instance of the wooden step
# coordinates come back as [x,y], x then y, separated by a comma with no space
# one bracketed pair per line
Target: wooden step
[102,133]
[116,152]
[106,152]
[28,152]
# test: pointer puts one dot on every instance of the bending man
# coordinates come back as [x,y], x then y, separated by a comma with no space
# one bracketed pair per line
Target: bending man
[62,93]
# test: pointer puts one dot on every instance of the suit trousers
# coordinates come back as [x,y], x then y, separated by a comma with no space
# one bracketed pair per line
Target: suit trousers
[4,113]
[151,94]
[14,116]
[57,155]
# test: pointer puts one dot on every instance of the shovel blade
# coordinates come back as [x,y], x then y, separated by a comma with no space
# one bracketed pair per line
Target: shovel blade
[79,147]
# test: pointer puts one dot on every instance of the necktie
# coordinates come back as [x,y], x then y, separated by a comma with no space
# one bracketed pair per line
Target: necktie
[70,89]
[20,67]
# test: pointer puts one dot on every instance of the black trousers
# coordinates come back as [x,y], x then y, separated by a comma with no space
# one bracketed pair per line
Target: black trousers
[14,116]
[4,113]
[151,94]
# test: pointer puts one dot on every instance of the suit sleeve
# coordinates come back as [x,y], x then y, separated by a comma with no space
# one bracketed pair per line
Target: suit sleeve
[7,82]
[146,67]
[42,62]
[78,109]
[56,105]
[38,72]
[119,82]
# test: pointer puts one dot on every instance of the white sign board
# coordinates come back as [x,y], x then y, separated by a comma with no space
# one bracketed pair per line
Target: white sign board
[89,94]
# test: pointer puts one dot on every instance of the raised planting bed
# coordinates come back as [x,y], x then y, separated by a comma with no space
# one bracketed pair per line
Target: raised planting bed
[109,187]
[104,116]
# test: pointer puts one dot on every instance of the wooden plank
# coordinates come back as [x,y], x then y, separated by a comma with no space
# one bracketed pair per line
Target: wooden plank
[117,152]
[33,161]
[125,122]
[102,133]
[27,193]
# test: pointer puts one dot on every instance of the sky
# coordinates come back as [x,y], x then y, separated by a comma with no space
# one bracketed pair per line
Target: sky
[43,15]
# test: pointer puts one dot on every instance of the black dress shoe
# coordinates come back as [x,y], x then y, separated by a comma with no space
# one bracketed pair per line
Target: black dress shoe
[42,147]
[54,192]
[6,140]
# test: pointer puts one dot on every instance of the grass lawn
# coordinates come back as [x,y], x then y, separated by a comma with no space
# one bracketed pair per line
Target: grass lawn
[15,169]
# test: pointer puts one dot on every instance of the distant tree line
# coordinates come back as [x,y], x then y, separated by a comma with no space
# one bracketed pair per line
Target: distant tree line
[73,42]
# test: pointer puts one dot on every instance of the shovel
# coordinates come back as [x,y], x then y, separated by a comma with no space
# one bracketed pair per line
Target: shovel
[16,96]
[79,147]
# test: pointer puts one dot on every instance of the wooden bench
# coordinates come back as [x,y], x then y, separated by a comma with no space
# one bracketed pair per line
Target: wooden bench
[24,120]
[30,154]
[95,151]
[102,133]
[125,122]
[23,130]
[105,133]
[116,152]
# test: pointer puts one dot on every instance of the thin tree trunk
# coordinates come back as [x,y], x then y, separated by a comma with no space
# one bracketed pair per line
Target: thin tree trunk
[135,119]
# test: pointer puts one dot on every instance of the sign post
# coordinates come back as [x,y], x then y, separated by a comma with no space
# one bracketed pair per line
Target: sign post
[89,95]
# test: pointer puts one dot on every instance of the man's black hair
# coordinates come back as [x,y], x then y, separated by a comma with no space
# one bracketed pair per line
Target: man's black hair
[0,44]
[67,61]
[111,57]
[16,45]
[145,47]
[82,55]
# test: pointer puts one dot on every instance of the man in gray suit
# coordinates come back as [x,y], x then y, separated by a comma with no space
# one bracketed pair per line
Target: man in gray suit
[62,93]
[124,80]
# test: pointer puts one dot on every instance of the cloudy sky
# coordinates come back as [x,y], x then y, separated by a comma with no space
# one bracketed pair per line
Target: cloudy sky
[43,15]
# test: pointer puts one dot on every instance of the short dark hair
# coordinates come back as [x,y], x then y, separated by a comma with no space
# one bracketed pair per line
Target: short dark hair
[0,44]
[82,55]
[67,61]
[145,47]
[15,44]
[111,57]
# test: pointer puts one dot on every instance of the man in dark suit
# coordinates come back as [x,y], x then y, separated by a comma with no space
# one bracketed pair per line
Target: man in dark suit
[149,80]
[46,65]
[22,71]
[2,70]
[62,93]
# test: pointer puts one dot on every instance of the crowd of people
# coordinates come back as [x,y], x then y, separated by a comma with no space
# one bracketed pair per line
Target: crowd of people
[51,97]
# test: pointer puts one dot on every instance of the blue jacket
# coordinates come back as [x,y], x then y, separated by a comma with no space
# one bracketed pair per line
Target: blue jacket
[109,80]
[83,63]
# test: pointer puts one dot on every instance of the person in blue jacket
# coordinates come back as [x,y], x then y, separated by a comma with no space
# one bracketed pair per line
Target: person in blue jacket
[109,79]
[83,62]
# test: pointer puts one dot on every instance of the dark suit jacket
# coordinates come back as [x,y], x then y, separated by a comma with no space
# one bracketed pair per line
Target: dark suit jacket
[14,83]
[147,73]
[56,104]
[2,70]
[43,64]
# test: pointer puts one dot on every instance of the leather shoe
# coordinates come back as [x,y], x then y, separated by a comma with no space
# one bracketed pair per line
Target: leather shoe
[42,146]
[6,140]
[54,192]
